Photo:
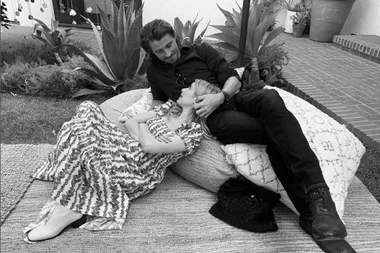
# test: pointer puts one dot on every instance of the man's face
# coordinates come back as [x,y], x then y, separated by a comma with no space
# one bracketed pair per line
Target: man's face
[166,49]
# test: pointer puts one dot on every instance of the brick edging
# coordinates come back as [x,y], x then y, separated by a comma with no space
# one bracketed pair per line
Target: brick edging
[356,48]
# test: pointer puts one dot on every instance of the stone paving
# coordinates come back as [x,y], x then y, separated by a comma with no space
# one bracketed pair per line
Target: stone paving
[344,85]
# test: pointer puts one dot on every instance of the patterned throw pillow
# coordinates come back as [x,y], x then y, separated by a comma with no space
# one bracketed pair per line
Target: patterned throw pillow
[337,149]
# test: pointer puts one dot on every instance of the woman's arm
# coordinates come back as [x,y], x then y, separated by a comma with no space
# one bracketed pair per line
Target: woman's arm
[132,124]
[151,145]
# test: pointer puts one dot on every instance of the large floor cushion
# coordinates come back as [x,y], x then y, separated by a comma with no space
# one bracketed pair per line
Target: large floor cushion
[337,149]
[207,167]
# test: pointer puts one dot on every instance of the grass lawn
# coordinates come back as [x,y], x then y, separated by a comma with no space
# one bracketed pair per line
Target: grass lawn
[35,120]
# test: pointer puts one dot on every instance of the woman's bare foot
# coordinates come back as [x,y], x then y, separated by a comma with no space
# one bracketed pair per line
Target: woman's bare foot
[60,218]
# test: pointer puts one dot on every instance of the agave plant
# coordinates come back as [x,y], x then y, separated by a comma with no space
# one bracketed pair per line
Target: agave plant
[120,49]
[187,32]
[53,37]
[258,23]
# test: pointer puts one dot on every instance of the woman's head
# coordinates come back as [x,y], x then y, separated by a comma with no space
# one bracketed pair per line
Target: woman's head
[197,88]
[189,95]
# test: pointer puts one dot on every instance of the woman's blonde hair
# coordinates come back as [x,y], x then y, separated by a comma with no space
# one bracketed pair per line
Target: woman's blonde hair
[201,87]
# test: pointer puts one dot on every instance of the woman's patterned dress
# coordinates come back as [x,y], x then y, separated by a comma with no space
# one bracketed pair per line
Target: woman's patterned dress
[97,169]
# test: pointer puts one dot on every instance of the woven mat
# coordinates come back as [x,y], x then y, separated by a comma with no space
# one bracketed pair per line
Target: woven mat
[175,218]
[18,162]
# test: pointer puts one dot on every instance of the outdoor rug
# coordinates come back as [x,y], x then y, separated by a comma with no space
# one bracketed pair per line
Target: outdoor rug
[18,161]
[175,218]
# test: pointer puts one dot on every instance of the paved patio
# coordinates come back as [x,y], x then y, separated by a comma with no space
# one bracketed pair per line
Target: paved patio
[345,85]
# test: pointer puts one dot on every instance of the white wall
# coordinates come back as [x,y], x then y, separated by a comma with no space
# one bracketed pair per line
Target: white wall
[364,18]
[30,8]
[187,10]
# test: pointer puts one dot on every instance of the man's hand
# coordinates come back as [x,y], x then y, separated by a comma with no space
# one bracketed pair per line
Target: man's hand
[207,104]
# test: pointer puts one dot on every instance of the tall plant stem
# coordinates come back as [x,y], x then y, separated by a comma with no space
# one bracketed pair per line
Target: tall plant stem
[58,58]
[254,77]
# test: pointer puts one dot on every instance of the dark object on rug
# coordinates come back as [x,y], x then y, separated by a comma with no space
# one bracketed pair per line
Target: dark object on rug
[245,205]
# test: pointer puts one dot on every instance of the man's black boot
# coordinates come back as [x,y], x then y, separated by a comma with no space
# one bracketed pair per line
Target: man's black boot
[324,225]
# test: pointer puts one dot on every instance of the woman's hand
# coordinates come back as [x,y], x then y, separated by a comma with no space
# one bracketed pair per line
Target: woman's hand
[207,104]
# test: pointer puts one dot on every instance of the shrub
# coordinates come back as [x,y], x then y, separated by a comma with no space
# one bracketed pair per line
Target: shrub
[44,80]
[36,52]
[271,60]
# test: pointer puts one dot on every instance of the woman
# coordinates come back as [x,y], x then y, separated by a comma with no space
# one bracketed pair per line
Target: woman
[97,169]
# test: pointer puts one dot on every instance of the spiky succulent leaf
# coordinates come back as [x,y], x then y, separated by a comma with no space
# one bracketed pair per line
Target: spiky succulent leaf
[120,30]
[199,38]
[130,15]
[133,46]
[228,38]
[100,67]
[141,60]
[46,30]
[271,36]
[113,52]
[224,29]
[85,92]
[100,43]
[231,21]
[100,80]
[40,38]
[104,18]
[178,27]
[114,17]
[192,29]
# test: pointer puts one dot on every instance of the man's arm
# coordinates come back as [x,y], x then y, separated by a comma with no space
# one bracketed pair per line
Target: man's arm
[225,75]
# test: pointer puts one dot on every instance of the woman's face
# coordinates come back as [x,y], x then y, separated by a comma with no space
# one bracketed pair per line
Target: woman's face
[187,96]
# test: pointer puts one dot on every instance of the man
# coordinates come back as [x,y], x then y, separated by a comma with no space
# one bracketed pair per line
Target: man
[257,116]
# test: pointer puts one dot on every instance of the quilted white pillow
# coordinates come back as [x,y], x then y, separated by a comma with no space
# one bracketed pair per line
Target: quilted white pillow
[337,149]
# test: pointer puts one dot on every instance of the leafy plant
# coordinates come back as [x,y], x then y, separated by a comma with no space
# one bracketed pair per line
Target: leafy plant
[187,32]
[4,18]
[33,51]
[258,23]
[120,49]
[271,60]
[53,36]
[294,5]
[302,17]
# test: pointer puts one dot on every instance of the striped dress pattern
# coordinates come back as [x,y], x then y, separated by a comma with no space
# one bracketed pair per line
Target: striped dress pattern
[97,169]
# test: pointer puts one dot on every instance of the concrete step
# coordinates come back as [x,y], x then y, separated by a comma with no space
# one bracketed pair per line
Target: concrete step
[366,46]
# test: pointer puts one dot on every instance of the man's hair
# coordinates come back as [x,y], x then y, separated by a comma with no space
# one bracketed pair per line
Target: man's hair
[156,30]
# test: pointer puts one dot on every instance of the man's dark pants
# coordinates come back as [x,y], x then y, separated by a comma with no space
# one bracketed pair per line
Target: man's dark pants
[261,117]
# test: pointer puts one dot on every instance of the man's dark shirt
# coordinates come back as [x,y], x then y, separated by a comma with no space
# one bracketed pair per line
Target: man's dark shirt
[199,61]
